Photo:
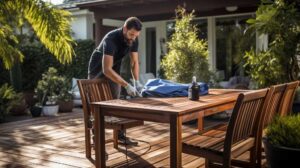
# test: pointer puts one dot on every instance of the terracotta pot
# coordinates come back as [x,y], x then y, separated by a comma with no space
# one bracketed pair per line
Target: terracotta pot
[20,109]
[29,97]
[65,106]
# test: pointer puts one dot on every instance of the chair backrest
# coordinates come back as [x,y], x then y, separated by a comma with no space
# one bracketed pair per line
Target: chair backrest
[288,98]
[273,107]
[245,119]
[93,90]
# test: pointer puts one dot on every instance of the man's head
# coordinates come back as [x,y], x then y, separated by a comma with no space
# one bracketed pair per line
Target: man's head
[131,29]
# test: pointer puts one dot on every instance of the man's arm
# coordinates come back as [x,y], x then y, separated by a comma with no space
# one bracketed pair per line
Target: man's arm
[107,64]
[135,67]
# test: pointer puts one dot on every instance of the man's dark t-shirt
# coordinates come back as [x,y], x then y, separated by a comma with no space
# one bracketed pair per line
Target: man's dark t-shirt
[112,44]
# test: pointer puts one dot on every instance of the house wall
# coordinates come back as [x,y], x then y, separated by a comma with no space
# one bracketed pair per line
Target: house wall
[82,24]
[83,29]
[160,28]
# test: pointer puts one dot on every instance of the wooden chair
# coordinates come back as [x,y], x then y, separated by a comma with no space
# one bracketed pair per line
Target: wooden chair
[288,98]
[275,104]
[241,135]
[95,90]
[280,103]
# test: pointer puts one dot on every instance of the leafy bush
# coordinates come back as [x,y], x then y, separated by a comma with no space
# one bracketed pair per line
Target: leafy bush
[280,19]
[38,59]
[285,131]
[187,55]
[271,66]
[8,99]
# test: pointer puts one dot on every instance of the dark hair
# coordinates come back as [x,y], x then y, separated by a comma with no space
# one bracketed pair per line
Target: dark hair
[133,22]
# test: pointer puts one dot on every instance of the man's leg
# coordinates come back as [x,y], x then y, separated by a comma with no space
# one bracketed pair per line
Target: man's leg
[116,90]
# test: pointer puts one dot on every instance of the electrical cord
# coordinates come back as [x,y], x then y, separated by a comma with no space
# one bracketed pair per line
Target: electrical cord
[126,149]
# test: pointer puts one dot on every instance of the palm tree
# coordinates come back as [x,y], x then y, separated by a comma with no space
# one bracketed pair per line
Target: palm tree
[51,26]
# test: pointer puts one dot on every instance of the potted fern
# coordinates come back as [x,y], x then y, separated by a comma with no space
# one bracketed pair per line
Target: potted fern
[282,142]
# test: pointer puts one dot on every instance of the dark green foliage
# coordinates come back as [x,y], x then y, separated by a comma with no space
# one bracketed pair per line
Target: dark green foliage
[50,24]
[4,74]
[8,98]
[285,131]
[279,19]
[79,65]
[38,60]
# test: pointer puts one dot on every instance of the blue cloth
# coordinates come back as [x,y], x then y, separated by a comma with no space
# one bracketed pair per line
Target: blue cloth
[165,88]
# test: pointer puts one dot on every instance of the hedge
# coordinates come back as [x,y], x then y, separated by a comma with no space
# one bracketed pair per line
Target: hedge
[38,59]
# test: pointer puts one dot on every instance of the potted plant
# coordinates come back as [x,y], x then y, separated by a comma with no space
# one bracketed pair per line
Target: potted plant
[8,99]
[36,110]
[65,98]
[48,90]
[282,141]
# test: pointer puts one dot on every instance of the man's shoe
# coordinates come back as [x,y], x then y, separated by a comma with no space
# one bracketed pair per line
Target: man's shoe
[126,141]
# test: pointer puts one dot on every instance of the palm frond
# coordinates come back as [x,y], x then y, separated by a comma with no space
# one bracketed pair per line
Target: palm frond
[52,26]
[9,53]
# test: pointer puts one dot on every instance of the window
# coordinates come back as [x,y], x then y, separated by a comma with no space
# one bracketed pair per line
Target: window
[232,40]
[201,25]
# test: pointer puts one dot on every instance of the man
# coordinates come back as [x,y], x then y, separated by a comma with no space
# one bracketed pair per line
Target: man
[106,59]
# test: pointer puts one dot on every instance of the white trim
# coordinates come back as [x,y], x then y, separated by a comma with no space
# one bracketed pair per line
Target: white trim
[112,22]
[234,15]
[160,30]
[211,40]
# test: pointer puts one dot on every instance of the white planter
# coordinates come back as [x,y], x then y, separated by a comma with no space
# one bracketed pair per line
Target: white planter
[50,110]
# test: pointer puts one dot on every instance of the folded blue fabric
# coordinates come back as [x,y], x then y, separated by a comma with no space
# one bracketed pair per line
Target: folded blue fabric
[165,88]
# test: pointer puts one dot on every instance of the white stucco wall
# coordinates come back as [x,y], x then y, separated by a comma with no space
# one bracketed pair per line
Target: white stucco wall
[82,24]
[160,29]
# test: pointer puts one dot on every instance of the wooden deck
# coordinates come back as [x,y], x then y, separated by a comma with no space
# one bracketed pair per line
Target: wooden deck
[59,142]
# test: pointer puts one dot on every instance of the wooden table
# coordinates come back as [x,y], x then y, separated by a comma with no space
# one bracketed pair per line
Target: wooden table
[164,110]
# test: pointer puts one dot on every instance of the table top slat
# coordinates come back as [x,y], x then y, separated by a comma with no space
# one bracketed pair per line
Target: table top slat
[178,105]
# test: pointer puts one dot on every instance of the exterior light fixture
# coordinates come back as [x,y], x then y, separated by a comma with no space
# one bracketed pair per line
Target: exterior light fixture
[231,8]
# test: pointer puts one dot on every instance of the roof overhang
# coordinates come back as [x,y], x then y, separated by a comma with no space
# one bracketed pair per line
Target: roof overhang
[164,9]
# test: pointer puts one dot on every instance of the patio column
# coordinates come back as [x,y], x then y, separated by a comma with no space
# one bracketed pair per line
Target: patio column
[98,29]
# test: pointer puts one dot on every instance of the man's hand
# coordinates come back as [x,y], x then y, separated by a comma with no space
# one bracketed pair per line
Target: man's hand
[138,85]
[130,90]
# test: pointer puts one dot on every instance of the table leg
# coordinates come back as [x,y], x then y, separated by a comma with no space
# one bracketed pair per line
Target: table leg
[200,121]
[99,138]
[175,141]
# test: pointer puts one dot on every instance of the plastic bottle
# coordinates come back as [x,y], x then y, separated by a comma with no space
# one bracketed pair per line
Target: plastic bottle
[193,92]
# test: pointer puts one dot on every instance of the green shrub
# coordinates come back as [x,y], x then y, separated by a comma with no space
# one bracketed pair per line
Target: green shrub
[8,99]
[38,59]
[187,55]
[263,63]
[4,74]
[285,131]
[280,20]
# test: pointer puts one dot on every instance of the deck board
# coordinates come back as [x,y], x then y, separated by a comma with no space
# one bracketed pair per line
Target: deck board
[59,142]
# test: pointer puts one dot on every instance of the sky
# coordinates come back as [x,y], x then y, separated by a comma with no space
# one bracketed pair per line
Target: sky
[55,2]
